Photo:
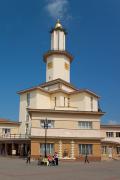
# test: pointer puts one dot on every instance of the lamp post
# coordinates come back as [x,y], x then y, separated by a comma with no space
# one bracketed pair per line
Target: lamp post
[45,127]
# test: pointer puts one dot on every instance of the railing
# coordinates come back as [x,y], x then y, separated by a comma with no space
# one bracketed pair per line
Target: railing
[14,136]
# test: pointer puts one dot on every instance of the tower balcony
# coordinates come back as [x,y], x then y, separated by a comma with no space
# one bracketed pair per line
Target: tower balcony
[57,52]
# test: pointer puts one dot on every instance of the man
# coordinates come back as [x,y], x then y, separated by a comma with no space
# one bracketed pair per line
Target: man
[56,158]
[28,157]
[86,158]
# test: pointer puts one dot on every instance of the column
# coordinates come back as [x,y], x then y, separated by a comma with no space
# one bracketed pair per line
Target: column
[72,154]
[60,149]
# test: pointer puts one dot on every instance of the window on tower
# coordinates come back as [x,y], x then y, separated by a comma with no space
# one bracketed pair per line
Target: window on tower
[66,66]
[50,65]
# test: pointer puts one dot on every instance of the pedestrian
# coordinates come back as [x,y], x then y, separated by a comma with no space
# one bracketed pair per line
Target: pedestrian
[56,158]
[86,158]
[28,157]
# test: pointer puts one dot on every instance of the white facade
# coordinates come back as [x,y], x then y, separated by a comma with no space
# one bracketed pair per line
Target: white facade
[58,40]
[60,68]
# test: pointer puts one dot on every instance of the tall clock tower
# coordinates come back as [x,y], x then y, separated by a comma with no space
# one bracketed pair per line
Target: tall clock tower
[57,59]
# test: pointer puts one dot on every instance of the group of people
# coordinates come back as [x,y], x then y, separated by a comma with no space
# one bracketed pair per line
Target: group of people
[53,160]
[50,160]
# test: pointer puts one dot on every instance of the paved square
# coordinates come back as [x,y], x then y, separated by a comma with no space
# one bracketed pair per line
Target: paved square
[17,169]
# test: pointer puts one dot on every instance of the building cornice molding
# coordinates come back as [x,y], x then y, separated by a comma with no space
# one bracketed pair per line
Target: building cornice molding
[66,111]
[58,52]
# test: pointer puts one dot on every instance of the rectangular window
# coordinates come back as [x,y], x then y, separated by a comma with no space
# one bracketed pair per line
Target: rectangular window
[64,101]
[85,124]
[50,65]
[118,150]
[109,134]
[117,134]
[28,99]
[85,149]
[6,131]
[68,102]
[49,149]
[50,123]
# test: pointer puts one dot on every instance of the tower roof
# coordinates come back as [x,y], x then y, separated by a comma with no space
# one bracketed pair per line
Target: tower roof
[58,24]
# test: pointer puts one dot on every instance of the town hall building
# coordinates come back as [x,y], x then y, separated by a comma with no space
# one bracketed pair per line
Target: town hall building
[73,115]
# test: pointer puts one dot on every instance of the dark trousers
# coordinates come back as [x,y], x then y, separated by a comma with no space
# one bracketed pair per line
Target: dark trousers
[56,161]
[86,160]
[28,160]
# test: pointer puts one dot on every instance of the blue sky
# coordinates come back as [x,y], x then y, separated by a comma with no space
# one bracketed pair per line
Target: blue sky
[93,39]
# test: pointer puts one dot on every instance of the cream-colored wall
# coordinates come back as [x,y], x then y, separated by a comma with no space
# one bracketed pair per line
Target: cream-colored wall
[14,129]
[38,100]
[67,124]
[88,103]
[59,100]
[78,100]
[23,106]
[83,102]
[42,100]
[58,70]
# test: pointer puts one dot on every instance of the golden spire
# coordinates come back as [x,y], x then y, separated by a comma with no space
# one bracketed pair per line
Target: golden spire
[58,24]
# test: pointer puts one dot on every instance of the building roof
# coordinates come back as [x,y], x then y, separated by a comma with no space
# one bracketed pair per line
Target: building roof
[7,121]
[46,84]
[56,81]
[110,126]
[85,90]
[42,86]
[31,89]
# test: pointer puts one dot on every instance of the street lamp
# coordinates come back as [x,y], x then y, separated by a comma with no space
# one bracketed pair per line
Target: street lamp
[45,127]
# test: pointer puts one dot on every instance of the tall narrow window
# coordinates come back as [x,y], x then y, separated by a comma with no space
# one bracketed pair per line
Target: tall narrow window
[118,149]
[55,101]
[117,134]
[91,101]
[28,99]
[58,39]
[64,101]
[68,102]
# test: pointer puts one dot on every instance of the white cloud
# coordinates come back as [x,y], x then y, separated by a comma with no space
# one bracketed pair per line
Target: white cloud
[112,122]
[58,9]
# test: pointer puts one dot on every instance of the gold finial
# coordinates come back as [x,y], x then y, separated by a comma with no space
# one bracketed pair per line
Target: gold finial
[58,24]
